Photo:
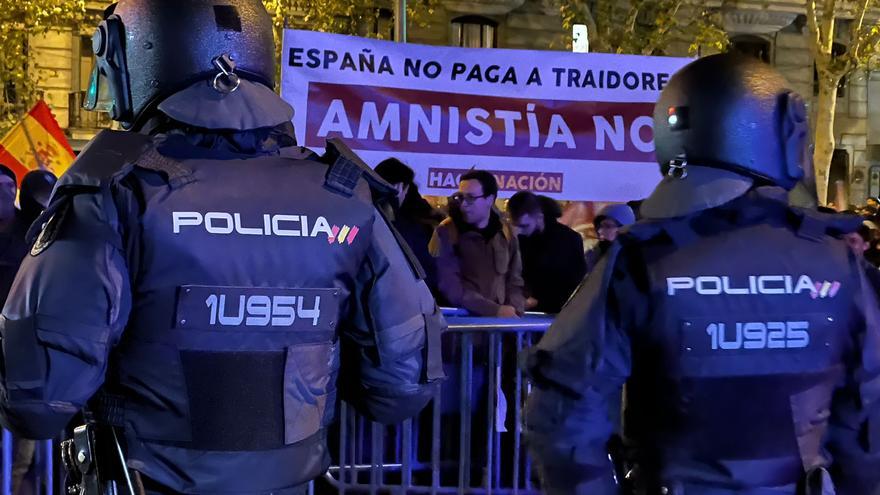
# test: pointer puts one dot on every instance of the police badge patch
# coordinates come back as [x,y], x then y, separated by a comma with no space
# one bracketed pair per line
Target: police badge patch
[50,228]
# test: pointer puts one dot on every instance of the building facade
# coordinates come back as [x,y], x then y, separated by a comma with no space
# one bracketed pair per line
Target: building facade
[772,30]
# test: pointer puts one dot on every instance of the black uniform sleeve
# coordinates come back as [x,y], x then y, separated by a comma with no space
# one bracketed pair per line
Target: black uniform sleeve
[854,426]
[391,351]
[67,308]
[578,369]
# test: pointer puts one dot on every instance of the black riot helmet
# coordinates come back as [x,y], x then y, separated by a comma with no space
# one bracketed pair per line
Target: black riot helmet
[733,113]
[148,50]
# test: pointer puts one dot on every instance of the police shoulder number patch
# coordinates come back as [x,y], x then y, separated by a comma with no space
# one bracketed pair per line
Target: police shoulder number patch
[50,228]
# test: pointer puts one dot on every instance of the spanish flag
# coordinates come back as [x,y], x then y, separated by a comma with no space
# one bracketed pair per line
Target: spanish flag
[37,142]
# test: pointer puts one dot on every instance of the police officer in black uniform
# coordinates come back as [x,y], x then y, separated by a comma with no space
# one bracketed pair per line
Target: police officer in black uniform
[202,284]
[743,328]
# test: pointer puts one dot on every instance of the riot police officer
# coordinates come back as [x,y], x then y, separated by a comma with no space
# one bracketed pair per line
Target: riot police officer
[743,328]
[203,285]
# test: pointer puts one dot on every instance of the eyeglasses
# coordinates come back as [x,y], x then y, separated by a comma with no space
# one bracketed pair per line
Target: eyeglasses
[467,199]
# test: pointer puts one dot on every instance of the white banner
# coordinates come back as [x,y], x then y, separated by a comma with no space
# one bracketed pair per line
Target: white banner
[569,125]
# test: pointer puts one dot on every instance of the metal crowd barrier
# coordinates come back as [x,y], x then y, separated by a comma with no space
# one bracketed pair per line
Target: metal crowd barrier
[421,456]
[42,466]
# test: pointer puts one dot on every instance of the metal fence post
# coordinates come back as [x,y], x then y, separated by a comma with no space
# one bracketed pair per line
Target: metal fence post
[369,464]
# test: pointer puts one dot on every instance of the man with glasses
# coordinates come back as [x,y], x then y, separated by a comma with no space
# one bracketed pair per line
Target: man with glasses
[608,223]
[478,261]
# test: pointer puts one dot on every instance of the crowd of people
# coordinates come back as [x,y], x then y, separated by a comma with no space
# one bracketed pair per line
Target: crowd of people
[502,259]
[493,261]
[867,240]
[33,196]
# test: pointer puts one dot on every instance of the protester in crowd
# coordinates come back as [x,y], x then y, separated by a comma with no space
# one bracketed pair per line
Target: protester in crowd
[552,254]
[859,241]
[862,242]
[872,255]
[636,206]
[12,245]
[478,261]
[36,188]
[550,207]
[607,223]
[13,248]
[414,217]
[479,269]
[872,204]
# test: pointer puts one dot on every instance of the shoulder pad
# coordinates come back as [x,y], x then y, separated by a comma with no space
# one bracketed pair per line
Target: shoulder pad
[815,224]
[104,156]
[346,169]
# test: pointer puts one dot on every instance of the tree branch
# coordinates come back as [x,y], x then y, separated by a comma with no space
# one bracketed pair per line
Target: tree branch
[659,37]
[592,29]
[821,57]
[827,25]
[856,39]
[673,16]
[632,16]
[870,46]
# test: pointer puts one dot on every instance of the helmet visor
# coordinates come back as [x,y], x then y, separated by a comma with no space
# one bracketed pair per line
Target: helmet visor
[98,98]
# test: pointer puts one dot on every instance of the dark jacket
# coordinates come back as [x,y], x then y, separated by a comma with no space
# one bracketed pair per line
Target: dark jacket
[553,265]
[479,271]
[12,250]
[416,221]
[595,254]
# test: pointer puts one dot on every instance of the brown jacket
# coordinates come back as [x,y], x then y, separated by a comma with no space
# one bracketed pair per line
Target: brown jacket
[477,274]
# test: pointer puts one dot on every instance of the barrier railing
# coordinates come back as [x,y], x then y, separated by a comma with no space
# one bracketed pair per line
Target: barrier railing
[38,459]
[422,455]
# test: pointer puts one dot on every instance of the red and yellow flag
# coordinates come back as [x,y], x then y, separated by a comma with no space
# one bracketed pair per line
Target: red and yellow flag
[36,142]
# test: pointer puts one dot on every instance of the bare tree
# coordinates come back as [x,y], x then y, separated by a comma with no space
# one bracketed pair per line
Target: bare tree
[862,51]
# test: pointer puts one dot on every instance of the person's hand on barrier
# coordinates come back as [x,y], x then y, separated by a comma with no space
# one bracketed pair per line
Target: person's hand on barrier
[531,303]
[507,312]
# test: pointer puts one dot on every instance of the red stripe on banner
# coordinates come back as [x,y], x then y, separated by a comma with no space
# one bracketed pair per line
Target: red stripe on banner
[409,120]
[43,114]
[13,164]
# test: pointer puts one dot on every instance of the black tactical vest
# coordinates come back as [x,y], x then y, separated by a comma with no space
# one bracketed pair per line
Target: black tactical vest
[751,324]
[226,371]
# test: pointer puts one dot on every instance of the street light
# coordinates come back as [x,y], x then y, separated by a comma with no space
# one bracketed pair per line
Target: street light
[400,21]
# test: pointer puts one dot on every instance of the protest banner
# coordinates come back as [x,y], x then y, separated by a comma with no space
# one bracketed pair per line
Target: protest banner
[569,125]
